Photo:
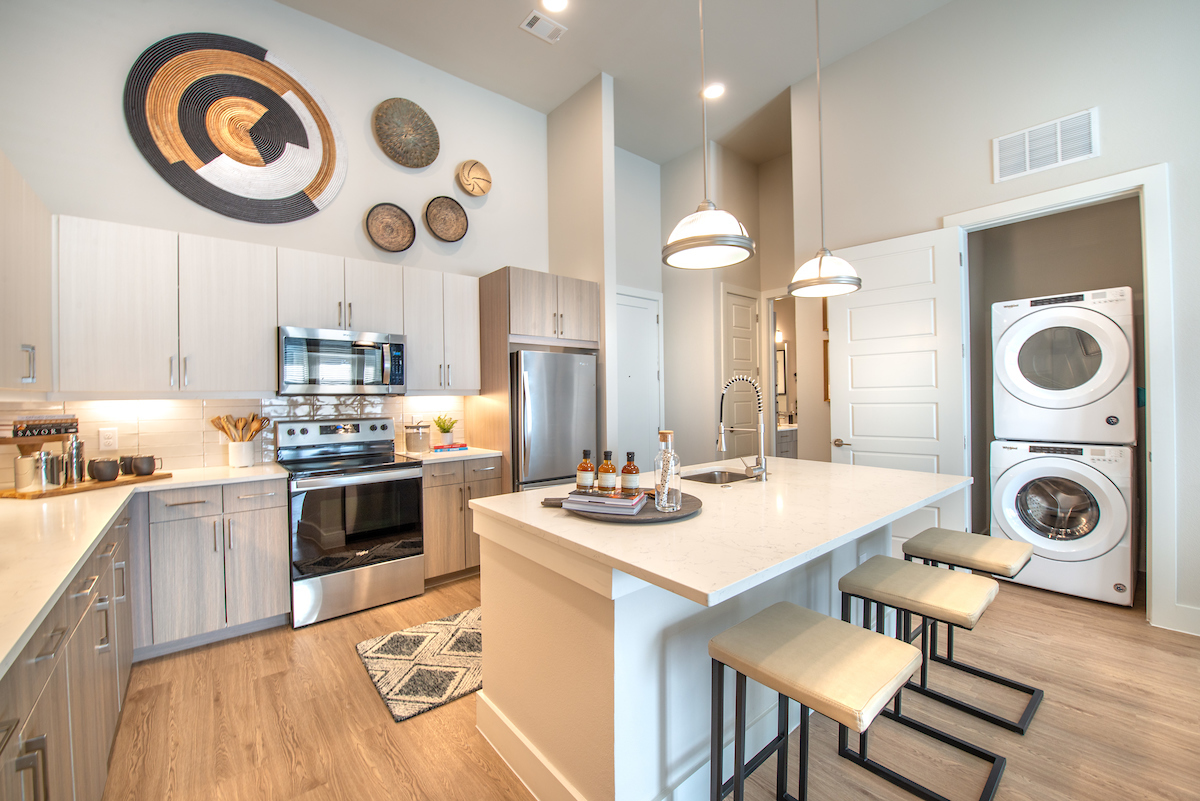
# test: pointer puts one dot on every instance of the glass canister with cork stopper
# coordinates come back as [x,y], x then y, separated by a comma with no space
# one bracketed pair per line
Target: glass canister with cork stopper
[668,489]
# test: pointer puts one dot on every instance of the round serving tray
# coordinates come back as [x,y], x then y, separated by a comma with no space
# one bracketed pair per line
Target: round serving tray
[648,514]
[390,228]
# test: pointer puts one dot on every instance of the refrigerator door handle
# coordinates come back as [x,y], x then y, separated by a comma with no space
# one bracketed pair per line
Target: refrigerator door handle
[526,423]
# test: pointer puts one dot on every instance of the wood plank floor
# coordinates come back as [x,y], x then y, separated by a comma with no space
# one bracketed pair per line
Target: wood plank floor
[291,715]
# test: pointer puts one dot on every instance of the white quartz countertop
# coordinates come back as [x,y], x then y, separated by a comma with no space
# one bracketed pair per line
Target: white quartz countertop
[430,457]
[47,541]
[745,534]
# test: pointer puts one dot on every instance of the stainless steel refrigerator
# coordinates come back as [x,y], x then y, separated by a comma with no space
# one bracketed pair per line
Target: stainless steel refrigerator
[554,415]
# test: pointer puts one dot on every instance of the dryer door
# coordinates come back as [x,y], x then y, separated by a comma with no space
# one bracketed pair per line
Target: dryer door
[1067,510]
[1062,358]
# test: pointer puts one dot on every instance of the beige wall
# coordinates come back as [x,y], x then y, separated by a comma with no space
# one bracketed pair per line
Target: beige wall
[639,222]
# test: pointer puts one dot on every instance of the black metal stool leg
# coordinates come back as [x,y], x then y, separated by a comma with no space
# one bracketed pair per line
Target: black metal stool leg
[802,792]
[739,738]
[715,782]
[781,755]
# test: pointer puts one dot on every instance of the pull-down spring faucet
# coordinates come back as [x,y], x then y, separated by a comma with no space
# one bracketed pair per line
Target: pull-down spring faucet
[759,469]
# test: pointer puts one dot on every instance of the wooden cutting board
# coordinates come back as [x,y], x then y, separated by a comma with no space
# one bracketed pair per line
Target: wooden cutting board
[83,486]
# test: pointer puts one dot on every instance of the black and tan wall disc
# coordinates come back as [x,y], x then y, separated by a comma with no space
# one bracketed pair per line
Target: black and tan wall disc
[230,126]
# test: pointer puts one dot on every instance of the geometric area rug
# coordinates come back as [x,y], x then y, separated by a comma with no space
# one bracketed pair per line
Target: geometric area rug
[425,666]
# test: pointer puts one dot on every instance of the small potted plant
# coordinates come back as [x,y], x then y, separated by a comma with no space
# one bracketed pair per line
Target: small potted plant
[445,424]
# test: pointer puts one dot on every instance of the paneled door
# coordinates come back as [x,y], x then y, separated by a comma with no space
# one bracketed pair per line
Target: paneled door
[374,297]
[739,333]
[312,289]
[423,330]
[228,335]
[460,306]
[639,380]
[898,372]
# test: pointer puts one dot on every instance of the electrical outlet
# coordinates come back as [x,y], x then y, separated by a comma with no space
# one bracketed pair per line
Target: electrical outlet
[108,439]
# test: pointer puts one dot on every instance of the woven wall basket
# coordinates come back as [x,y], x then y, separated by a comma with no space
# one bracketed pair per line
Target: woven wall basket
[231,127]
[406,133]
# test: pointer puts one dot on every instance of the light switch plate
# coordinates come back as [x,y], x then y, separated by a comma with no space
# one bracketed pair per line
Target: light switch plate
[108,439]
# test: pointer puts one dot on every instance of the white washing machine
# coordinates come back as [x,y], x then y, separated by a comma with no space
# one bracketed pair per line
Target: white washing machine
[1076,505]
[1063,368]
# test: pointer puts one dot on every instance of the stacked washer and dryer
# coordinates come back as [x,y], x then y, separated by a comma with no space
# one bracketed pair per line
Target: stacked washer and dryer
[1062,464]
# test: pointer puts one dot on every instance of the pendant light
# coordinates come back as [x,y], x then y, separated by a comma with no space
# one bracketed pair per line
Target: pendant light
[825,274]
[709,237]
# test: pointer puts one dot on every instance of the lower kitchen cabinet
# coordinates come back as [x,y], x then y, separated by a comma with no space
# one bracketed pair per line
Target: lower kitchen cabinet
[92,680]
[257,564]
[478,489]
[187,577]
[46,737]
[122,615]
[450,541]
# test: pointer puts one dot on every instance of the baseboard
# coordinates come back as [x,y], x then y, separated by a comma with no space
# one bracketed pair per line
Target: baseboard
[175,646]
[447,578]
[534,770]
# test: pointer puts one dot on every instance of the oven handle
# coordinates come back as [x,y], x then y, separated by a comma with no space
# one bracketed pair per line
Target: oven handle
[332,482]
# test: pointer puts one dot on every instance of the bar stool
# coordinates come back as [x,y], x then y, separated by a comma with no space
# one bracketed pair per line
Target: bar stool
[826,665]
[937,596]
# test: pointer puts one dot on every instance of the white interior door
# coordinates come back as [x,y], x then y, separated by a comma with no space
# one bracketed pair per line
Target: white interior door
[898,372]
[639,382]
[739,331]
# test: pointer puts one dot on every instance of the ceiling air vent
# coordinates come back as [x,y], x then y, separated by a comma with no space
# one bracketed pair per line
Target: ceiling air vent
[543,27]
[1042,147]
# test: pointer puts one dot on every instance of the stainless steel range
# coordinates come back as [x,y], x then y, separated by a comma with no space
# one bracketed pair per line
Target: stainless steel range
[355,516]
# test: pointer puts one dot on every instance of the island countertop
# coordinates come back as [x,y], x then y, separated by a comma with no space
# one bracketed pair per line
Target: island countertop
[747,533]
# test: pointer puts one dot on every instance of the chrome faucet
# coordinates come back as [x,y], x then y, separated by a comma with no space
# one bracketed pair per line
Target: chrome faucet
[759,468]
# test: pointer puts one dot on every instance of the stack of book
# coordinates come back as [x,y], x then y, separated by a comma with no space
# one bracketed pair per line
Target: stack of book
[605,503]
[454,446]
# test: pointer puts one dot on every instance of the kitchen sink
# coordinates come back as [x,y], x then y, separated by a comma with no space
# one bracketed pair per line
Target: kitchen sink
[717,477]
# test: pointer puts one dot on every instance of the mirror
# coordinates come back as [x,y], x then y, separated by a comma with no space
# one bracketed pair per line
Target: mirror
[781,370]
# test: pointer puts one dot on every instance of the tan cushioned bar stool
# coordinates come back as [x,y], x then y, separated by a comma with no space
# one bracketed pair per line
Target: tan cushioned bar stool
[995,555]
[937,596]
[844,672]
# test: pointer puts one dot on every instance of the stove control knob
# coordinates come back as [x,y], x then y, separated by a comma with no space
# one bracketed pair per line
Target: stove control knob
[384,426]
[374,427]
[291,432]
[304,431]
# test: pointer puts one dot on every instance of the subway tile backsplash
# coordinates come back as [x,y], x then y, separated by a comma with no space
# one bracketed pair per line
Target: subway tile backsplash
[179,430]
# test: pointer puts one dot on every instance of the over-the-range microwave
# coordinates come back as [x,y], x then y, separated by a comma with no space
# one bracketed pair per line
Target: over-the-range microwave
[326,361]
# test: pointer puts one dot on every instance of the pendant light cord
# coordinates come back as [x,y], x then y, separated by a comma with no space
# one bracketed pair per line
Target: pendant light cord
[820,131]
[703,106]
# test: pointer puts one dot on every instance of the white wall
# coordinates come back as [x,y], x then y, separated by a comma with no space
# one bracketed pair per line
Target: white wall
[909,119]
[66,62]
[639,222]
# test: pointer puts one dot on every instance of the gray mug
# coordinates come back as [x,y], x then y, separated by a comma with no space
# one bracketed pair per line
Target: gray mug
[104,469]
[145,465]
[127,465]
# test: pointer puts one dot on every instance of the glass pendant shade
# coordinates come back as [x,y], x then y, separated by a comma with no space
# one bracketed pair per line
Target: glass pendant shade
[706,239]
[824,275]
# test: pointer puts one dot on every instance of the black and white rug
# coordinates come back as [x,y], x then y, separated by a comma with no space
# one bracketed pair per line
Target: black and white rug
[428,665]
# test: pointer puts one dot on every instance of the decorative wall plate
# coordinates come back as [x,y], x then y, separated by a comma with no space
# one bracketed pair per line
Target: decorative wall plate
[446,219]
[474,178]
[230,126]
[406,133]
[390,228]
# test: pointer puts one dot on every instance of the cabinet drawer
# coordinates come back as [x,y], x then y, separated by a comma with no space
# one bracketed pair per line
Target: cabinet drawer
[181,504]
[440,474]
[33,666]
[481,469]
[251,495]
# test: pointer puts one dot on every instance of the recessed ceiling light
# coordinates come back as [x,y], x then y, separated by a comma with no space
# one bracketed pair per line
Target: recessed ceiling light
[554,5]
[714,90]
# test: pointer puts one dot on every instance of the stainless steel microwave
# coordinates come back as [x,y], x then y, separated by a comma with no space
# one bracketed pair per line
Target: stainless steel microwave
[326,361]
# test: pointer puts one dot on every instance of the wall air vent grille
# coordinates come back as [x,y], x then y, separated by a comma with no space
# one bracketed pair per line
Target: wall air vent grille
[543,27]
[1052,144]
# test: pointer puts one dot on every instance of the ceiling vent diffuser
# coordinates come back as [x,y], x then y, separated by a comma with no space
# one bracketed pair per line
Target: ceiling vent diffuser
[543,27]
[1052,144]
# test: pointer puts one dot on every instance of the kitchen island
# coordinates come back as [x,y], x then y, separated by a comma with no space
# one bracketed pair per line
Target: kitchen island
[596,671]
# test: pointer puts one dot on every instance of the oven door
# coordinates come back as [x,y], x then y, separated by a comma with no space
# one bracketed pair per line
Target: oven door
[321,361]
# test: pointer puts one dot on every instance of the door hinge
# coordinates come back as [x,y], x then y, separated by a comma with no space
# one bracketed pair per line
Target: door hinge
[656,319]
[960,260]
[964,350]
[756,317]
[658,375]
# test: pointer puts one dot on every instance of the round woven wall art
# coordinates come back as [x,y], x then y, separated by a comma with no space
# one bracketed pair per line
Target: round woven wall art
[446,219]
[474,178]
[406,133]
[390,228]
[231,127]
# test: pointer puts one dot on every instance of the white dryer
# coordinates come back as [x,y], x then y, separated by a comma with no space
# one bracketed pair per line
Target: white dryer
[1076,505]
[1063,368]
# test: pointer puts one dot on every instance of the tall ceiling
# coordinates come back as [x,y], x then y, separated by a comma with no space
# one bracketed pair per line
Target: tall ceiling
[651,48]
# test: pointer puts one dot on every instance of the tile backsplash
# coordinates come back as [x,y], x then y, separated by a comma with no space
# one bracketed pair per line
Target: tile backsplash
[179,431]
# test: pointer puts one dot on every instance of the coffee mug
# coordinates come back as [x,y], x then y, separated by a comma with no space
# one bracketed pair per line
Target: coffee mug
[127,465]
[104,469]
[145,465]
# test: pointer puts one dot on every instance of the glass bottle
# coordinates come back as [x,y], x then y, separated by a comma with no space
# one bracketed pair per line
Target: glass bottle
[607,474]
[668,491]
[585,474]
[630,478]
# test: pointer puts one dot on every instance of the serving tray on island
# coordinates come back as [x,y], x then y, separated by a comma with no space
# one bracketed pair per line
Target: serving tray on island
[647,514]
[82,486]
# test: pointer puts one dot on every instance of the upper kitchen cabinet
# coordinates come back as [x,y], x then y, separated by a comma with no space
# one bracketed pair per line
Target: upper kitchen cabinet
[441,314]
[118,307]
[553,306]
[25,274]
[321,291]
[374,297]
[227,326]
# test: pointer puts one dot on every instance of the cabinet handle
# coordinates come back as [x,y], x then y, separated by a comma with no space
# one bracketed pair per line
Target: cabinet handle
[349,314]
[461,501]
[33,762]
[554,320]
[440,475]
[31,364]
[440,373]
[230,534]
[50,653]
[121,525]
[214,536]
[186,503]
[339,314]
[449,376]
[171,368]
[185,374]
[36,747]
[91,586]
[256,495]
[562,328]
[121,566]
[482,469]
[112,548]
[102,606]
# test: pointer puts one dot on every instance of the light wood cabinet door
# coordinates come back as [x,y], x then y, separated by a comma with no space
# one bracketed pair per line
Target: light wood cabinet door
[228,334]
[374,297]
[122,619]
[532,303]
[423,330]
[578,309]
[118,307]
[25,274]
[48,729]
[477,489]
[445,545]
[460,302]
[187,577]
[11,779]
[312,289]
[91,676]
[257,565]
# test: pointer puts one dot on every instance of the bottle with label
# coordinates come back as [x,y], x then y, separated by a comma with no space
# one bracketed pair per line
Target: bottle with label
[668,489]
[585,474]
[607,474]
[630,477]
